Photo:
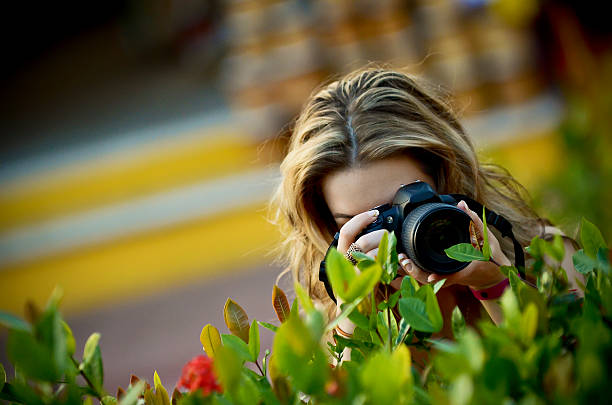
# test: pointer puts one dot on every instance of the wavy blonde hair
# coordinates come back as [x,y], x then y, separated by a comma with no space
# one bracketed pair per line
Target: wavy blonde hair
[369,115]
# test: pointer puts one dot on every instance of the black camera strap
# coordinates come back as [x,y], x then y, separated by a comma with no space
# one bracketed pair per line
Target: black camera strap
[323,269]
[495,220]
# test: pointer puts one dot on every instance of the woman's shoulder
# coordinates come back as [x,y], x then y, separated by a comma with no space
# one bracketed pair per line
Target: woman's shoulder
[549,231]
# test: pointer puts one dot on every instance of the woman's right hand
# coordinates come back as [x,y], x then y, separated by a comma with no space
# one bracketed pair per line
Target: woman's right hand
[367,243]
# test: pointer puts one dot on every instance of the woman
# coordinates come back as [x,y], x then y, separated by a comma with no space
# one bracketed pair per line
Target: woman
[355,143]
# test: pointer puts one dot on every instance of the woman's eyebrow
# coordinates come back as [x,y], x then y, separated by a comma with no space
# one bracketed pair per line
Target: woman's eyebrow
[340,215]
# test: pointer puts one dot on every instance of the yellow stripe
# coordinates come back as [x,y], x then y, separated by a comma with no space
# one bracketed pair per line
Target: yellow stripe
[157,167]
[145,264]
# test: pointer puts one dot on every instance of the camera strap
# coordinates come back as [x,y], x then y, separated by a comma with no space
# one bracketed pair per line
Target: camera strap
[495,220]
[323,270]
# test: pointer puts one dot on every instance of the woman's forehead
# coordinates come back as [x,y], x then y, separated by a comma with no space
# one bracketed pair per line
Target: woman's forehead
[358,189]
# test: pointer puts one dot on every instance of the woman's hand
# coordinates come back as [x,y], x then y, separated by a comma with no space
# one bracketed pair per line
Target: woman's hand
[477,275]
[367,243]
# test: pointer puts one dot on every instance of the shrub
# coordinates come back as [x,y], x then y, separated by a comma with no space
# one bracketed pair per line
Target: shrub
[552,346]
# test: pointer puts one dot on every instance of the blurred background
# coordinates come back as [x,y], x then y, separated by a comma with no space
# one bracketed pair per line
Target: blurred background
[141,141]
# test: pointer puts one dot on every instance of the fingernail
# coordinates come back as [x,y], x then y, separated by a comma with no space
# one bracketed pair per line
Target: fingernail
[401,257]
[430,278]
[462,204]
[374,213]
[406,264]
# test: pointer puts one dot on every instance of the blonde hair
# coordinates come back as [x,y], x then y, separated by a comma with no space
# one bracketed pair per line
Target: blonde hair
[369,115]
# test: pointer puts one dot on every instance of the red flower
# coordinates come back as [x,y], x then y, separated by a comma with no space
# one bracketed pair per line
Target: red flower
[198,373]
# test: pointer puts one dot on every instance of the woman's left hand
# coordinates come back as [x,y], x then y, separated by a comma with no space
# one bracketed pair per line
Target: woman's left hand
[477,275]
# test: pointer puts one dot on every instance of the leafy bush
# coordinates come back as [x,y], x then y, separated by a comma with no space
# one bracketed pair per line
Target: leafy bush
[553,345]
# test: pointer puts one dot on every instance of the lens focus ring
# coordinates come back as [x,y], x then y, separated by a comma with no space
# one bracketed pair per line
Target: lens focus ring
[431,228]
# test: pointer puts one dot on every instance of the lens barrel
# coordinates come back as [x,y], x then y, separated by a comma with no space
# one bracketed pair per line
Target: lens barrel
[428,230]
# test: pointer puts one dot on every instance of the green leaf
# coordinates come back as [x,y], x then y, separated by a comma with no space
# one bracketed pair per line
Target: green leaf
[383,328]
[407,288]
[591,238]
[90,347]
[438,285]
[457,322]
[50,332]
[461,390]
[383,248]
[294,309]
[528,295]
[529,323]
[404,328]
[515,282]
[432,308]
[362,257]
[12,322]
[133,393]
[387,257]
[303,298]
[161,395]
[228,366]
[583,263]
[602,260]
[340,272]
[210,339]
[91,365]
[347,308]
[269,326]
[149,397]
[510,307]
[415,313]
[254,341]
[535,247]
[280,304]
[363,284]
[69,338]
[394,298]
[236,320]
[109,400]
[465,252]
[556,249]
[358,319]
[265,362]
[235,343]
[299,355]
[2,377]
[95,371]
[30,356]
[486,248]
[472,349]
[506,270]
[20,392]
[55,298]
[387,378]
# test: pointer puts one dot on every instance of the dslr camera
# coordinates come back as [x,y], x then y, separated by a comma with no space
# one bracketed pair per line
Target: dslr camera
[425,224]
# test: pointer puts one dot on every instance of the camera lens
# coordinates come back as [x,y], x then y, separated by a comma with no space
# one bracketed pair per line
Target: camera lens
[430,229]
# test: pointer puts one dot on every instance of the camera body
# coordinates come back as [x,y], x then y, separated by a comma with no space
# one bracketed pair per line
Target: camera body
[425,223]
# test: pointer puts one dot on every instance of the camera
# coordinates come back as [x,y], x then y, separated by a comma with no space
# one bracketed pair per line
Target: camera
[425,224]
